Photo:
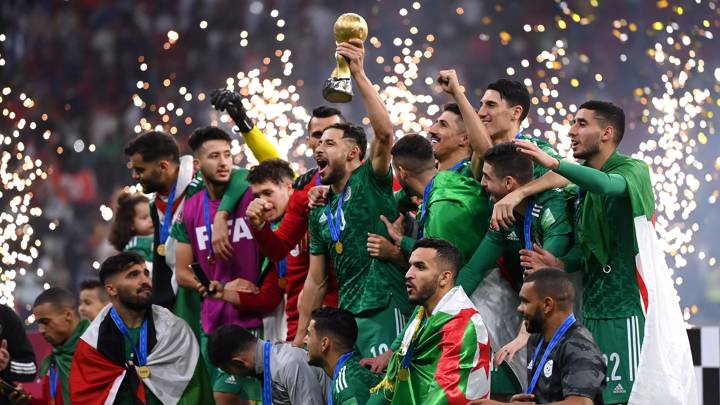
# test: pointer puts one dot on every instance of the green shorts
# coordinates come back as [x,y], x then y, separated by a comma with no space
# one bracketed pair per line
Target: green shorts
[619,341]
[247,388]
[378,329]
[503,381]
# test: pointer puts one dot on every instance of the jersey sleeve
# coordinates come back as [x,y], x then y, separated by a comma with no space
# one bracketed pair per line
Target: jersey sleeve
[583,369]
[317,247]
[22,366]
[277,244]
[268,298]
[196,184]
[259,145]
[235,190]
[482,261]
[556,228]
[381,182]
[179,232]
[593,180]
[303,386]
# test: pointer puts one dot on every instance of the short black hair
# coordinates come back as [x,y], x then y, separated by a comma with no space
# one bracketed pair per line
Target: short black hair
[354,132]
[204,134]
[609,113]
[154,146]
[90,283]
[94,284]
[453,108]
[60,298]
[507,161]
[553,283]
[414,152]
[339,323]
[226,342]
[514,92]
[118,263]
[324,111]
[445,250]
[275,170]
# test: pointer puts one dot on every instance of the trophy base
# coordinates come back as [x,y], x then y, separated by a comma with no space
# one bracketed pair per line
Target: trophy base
[337,90]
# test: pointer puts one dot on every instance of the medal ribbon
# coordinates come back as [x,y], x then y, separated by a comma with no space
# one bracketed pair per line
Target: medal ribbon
[518,135]
[423,208]
[569,321]
[527,225]
[208,224]
[53,381]
[267,378]
[338,367]
[281,264]
[167,220]
[458,165]
[141,348]
[335,224]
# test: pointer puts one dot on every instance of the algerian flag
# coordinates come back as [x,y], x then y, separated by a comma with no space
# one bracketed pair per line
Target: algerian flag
[451,356]
[665,373]
[176,374]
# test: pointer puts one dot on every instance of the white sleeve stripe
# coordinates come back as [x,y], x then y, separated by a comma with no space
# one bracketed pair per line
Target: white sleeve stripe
[23,370]
[22,365]
[26,366]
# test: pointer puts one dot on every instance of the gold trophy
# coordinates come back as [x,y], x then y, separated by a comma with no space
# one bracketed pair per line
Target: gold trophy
[338,88]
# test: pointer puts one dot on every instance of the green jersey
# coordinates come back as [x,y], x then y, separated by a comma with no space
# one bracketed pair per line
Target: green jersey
[364,283]
[540,170]
[456,211]
[550,227]
[608,201]
[353,383]
[143,245]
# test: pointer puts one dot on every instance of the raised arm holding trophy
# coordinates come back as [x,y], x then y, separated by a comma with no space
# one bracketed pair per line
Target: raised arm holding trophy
[338,88]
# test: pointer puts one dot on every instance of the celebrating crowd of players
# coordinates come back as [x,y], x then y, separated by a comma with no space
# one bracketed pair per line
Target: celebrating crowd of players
[467,284]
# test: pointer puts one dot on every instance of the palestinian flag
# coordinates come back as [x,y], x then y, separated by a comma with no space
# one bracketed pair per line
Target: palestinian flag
[177,376]
[450,356]
[665,373]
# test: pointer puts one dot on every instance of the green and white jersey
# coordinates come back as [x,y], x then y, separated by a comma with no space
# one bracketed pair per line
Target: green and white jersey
[143,245]
[364,283]
[353,383]
[550,227]
[457,211]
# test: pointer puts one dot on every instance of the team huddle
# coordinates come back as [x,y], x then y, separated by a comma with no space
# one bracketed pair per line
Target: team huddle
[473,265]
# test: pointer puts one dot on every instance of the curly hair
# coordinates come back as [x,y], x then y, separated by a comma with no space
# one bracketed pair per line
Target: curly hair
[121,230]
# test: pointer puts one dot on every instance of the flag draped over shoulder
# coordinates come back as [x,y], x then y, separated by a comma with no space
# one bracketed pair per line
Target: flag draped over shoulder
[61,356]
[450,356]
[665,371]
[177,376]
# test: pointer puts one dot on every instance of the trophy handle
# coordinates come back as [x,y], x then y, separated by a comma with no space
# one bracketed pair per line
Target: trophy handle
[342,70]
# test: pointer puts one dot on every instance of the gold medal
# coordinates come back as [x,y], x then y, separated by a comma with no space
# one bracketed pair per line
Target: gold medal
[143,372]
[403,374]
[338,247]
[161,249]
[282,282]
[211,259]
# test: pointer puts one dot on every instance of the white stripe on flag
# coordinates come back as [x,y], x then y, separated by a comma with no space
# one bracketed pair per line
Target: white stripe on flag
[630,350]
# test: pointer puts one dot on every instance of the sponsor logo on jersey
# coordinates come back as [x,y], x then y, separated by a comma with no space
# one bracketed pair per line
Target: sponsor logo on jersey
[547,370]
[237,229]
[619,389]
